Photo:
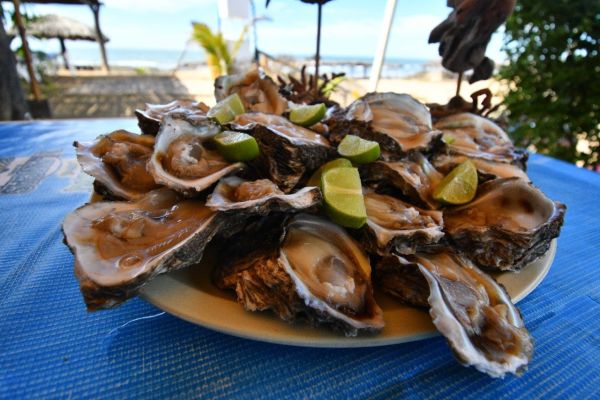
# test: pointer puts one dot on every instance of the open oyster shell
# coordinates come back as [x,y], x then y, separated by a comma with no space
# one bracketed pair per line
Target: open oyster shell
[509,224]
[119,246]
[149,120]
[233,194]
[486,169]
[473,312]
[287,151]
[258,92]
[398,122]
[317,272]
[395,226]
[182,160]
[118,162]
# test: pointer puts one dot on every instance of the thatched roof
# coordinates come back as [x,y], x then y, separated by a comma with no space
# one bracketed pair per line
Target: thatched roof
[56,26]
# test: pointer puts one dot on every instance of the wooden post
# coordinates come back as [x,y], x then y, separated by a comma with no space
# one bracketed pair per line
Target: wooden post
[63,52]
[318,55]
[99,37]
[35,87]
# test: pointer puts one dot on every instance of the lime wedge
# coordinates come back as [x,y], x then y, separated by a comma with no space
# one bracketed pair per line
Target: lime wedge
[448,138]
[308,115]
[226,110]
[359,150]
[315,179]
[344,201]
[236,146]
[459,186]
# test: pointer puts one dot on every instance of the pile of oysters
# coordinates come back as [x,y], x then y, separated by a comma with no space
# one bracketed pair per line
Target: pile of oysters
[167,193]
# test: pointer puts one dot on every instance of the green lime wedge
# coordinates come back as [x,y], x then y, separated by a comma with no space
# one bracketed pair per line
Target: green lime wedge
[344,201]
[315,179]
[359,150]
[448,138]
[226,110]
[236,146]
[459,186]
[308,115]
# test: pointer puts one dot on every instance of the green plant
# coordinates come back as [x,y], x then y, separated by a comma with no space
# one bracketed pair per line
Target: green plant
[218,53]
[553,48]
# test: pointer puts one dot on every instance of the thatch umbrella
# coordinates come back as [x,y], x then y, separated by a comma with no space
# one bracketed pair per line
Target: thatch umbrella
[61,28]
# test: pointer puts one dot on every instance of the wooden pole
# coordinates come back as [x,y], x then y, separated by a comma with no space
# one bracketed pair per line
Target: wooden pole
[318,55]
[458,83]
[63,52]
[388,19]
[99,37]
[35,87]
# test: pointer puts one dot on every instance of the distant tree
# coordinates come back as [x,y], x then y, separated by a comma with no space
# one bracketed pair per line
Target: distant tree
[12,101]
[553,102]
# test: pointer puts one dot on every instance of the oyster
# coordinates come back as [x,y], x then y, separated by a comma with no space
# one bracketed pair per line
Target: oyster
[397,121]
[118,162]
[182,160]
[318,272]
[119,246]
[287,151]
[486,169]
[509,224]
[258,92]
[395,226]
[414,178]
[477,137]
[473,312]
[233,194]
[149,120]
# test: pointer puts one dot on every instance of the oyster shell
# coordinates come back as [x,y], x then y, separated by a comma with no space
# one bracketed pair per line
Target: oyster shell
[287,151]
[118,162]
[397,121]
[181,159]
[415,179]
[395,226]
[258,92]
[233,194]
[486,169]
[119,246]
[509,224]
[318,272]
[478,137]
[473,312]
[149,120]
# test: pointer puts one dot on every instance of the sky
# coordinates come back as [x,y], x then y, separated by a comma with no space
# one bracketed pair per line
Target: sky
[350,27]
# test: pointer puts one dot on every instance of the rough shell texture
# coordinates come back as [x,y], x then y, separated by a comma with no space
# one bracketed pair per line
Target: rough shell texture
[509,224]
[149,120]
[475,314]
[288,152]
[119,246]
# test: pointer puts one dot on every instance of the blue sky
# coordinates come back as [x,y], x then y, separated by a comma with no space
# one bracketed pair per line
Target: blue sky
[350,27]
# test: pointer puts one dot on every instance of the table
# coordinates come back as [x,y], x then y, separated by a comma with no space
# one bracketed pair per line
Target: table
[50,347]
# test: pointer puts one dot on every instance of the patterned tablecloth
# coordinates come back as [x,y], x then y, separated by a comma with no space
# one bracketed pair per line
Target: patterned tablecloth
[50,347]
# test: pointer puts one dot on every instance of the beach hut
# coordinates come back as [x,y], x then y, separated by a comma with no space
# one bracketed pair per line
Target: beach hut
[61,28]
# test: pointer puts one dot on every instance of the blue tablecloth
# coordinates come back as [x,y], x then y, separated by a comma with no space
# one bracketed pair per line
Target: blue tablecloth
[50,347]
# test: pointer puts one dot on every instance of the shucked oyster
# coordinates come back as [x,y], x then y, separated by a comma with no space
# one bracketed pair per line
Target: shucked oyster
[318,272]
[475,314]
[149,120]
[181,159]
[397,121]
[233,194]
[395,226]
[118,162]
[509,224]
[287,151]
[258,92]
[119,246]
[486,169]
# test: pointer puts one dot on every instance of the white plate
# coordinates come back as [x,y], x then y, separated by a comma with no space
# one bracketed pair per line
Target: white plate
[190,295]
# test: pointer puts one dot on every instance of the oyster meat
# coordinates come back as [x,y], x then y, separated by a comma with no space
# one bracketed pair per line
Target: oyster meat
[182,160]
[149,120]
[509,224]
[473,312]
[233,194]
[397,121]
[118,162]
[258,92]
[396,226]
[486,169]
[318,272]
[287,151]
[119,246]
